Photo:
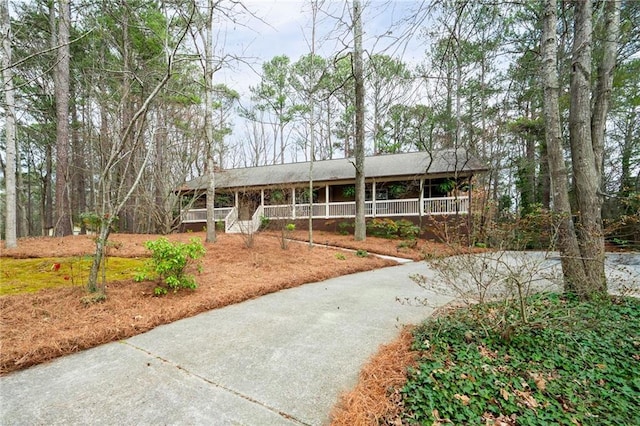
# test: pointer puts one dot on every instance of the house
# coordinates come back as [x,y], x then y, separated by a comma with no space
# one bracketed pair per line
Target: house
[410,185]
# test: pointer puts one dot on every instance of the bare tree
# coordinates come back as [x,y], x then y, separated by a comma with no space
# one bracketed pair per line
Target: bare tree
[115,194]
[208,124]
[10,128]
[358,74]
[312,112]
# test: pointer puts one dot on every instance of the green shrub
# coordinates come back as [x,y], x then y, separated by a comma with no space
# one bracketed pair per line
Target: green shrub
[264,222]
[286,234]
[362,253]
[384,228]
[345,228]
[407,230]
[341,256]
[170,261]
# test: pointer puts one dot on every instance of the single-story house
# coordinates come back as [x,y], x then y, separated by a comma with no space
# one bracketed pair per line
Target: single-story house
[409,185]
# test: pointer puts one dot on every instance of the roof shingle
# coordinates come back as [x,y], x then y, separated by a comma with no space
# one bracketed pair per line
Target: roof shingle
[412,164]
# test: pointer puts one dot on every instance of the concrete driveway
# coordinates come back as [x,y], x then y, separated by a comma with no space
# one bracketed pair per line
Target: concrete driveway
[281,359]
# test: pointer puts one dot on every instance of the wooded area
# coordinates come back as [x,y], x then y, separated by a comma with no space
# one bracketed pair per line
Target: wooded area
[111,105]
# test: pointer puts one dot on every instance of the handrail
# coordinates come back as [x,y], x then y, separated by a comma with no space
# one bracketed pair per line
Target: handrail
[230,219]
[256,218]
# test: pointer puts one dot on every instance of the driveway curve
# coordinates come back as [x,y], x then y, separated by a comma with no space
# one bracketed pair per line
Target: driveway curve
[281,359]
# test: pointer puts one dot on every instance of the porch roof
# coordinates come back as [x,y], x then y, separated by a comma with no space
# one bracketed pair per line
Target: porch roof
[406,165]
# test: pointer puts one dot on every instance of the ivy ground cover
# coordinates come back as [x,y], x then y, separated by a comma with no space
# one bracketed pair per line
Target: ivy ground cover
[573,363]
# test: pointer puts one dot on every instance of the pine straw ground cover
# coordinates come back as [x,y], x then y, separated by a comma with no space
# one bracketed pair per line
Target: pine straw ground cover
[417,250]
[40,326]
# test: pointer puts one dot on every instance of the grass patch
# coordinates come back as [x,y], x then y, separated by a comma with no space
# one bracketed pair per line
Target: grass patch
[574,363]
[30,275]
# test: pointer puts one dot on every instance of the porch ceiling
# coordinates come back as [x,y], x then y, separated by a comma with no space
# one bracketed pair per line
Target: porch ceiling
[406,165]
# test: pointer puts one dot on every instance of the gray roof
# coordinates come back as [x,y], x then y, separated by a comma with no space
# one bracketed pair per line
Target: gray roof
[406,165]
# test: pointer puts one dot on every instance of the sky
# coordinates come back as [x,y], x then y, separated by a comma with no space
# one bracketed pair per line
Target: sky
[283,27]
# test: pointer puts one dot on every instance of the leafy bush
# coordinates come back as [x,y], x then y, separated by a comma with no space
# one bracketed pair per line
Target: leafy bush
[407,230]
[285,234]
[384,228]
[170,262]
[573,363]
[264,222]
[388,228]
[341,256]
[362,253]
[345,228]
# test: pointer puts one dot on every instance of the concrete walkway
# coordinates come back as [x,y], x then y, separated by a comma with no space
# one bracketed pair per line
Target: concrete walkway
[281,359]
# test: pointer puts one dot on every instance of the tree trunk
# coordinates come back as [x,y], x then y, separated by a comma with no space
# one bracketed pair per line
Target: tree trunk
[544,189]
[567,241]
[47,189]
[312,114]
[125,217]
[584,156]
[11,240]
[208,124]
[360,225]
[63,225]
[78,198]
[101,248]
[602,96]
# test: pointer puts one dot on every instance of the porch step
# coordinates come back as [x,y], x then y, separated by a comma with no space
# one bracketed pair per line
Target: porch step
[242,226]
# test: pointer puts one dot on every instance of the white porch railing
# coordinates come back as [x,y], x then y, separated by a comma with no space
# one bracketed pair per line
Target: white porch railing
[256,219]
[381,208]
[447,205]
[230,219]
[200,215]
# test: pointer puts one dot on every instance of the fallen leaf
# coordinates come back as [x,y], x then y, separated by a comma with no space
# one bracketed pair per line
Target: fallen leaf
[463,398]
[504,394]
[540,382]
[527,398]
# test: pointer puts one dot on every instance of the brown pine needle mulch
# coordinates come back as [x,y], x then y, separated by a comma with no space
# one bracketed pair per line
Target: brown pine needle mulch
[376,398]
[415,250]
[38,327]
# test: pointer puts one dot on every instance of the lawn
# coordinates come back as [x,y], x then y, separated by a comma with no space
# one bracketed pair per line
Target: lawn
[31,275]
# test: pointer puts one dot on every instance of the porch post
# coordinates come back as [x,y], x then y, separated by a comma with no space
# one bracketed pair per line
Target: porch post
[373,198]
[293,202]
[421,197]
[326,201]
[262,197]
[236,200]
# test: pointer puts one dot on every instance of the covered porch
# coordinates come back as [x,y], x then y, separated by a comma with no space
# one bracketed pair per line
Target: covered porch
[424,197]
